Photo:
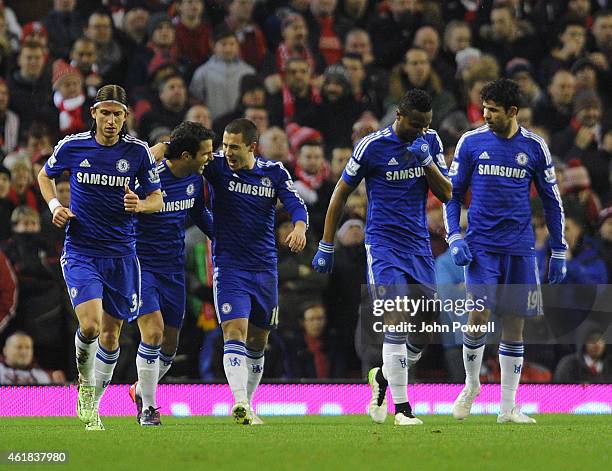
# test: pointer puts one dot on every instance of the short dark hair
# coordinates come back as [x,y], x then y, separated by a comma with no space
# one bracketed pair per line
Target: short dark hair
[504,92]
[311,143]
[245,127]
[186,137]
[164,80]
[414,100]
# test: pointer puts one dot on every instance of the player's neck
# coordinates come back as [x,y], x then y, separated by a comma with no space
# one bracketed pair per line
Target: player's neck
[510,132]
[177,170]
[106,141]
[250,162]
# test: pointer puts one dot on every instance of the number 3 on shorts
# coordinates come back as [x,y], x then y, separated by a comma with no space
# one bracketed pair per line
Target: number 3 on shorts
[134,303]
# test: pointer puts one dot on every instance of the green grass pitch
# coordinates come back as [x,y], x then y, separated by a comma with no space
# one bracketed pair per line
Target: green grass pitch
[557,442]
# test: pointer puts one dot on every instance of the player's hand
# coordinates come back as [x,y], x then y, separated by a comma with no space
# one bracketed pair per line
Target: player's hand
[61,216]
[131,201]
[460,252]
[296,240]
[323,260]
[420,149]
[557,269]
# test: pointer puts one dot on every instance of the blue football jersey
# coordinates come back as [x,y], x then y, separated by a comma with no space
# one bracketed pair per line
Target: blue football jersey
[396,187]
[499,172]
[98,175]
[160,237]
[244,210]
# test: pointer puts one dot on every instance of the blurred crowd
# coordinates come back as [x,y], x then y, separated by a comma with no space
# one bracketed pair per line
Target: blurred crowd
[314,76]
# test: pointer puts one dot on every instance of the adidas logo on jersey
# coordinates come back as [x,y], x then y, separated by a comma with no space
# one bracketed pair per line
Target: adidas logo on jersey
[164,194]
[484,156]
[392,161]
[85,163]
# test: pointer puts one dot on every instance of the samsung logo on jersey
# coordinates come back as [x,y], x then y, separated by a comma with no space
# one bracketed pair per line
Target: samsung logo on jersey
[501,171]
[179,205]
[249,189]
[414,172]
[101,179]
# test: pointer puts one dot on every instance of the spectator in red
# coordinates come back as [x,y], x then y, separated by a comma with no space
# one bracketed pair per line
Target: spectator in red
[193,34]
[21,192]
[69,99]
[315,351]
[592,363]
[297,102]
[8,290]
[329,45]
[252,41]
[83,57]
[18,366]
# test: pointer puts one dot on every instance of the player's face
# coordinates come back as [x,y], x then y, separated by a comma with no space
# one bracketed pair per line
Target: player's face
[110,118]
[236,151]
[203,156]
[496,117]
[414,124]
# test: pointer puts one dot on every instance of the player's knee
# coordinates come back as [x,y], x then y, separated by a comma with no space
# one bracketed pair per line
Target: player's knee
[234,333]
[479,317]
[256,343]
[153,336]
[90,328]
[109,340]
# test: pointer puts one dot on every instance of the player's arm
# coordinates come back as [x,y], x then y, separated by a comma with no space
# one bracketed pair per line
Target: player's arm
[546,184]
[460,174]
[46,182]
[159,150]
[296,240]
[201,215]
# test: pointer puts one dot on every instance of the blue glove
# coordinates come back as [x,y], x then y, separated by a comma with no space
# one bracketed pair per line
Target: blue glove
[557,269]
[323,260]
[460,252]
[420,149]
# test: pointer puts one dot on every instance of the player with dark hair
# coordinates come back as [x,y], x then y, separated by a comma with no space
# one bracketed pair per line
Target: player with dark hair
[499,161]
[400,164]
[246,188]
[99,261]
[160,245]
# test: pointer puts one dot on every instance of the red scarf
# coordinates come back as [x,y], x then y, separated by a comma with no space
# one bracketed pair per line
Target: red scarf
[283,54]
[70,113]
[315,346]
[330,46]
[312,181]
[289,102]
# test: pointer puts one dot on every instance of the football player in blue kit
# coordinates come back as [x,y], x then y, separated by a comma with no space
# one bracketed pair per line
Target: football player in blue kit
[245,189]
[499,161]
[400,164]
[160,245]
[99,260]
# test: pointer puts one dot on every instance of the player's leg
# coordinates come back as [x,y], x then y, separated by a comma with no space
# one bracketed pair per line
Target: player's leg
[172,300]
[511,351]
[482,276]
[384,279]
[257,339]
[85,289]
[151,327]
[168,350]
[522,296]
[108,353]
[233,306]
